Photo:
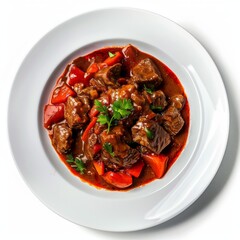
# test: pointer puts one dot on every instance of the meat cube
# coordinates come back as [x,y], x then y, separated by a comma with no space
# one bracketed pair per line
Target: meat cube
[106,77]
[172,120]
[131,54]
[146,72]
[122,154]
[90,92]
[89,146]
[158,100]
[62,137]
[99,84]
[178,101]
[150,134]
[76,110]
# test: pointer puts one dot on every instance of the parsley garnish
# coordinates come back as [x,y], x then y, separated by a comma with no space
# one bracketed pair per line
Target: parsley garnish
[149,133]
[80,166]
[121,109]
[76,163]
[101,108]
[103,119]
[111,54]
[156,107]
[149,89]
[108,147]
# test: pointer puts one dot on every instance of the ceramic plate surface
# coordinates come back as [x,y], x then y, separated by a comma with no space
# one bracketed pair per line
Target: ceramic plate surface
[153,203]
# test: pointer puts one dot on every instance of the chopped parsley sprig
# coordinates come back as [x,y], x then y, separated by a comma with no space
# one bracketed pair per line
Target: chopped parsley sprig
[149,89]
[121,108]
[111,55]
[149,133]
[108,147]
[76,163]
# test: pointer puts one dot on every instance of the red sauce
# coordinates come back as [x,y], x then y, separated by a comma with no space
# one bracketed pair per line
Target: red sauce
[170,86]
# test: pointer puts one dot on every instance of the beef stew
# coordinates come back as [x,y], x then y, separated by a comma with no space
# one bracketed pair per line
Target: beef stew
[118,118]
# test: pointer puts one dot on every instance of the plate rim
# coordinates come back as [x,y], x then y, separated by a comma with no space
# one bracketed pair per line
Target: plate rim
[95,11]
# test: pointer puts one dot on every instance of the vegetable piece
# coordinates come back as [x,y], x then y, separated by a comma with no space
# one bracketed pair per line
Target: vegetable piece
[93,112]
[97,148]
[111,60]
[88,128]
[53,114]
[149,133]
[99,166]
[93,68]
[118,179]
[136,169]
[108,147]
[76,75]
[158,163]
[61,94]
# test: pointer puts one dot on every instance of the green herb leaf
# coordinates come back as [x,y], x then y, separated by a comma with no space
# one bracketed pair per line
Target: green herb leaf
[149,133]
[111,54]
[121,108]
[80,166]
[108,147]
[156,107]
[70,158]
[100,107]
[149,89]
[76,163]
[103,119]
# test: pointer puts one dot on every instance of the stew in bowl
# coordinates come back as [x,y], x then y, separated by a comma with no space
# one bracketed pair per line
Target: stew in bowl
[118,118]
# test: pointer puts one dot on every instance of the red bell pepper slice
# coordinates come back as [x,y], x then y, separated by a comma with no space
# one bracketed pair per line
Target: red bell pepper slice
[76,75]
[136,169]
[93,68]
[118,179]
[88,128]
[61,94]
[53,114]
[99,166]
[115,59]
[158,163]
[97,148]
[93,112]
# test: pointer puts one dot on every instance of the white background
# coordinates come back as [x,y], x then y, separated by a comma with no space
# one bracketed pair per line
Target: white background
[215,23]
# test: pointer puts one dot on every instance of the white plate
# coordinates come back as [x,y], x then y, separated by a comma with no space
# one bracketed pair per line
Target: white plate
[158,201]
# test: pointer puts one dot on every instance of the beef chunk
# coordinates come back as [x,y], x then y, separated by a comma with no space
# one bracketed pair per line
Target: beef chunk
[172,120]
[123,155]
[158,100]
[99,84]
[90,92]
[62,137]
[76,110]
[106,77]
[88,146]
[146,72]
[130,57]
[158,138]
[178,101]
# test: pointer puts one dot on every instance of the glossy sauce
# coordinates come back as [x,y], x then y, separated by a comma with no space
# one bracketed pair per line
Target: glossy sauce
[170,86]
